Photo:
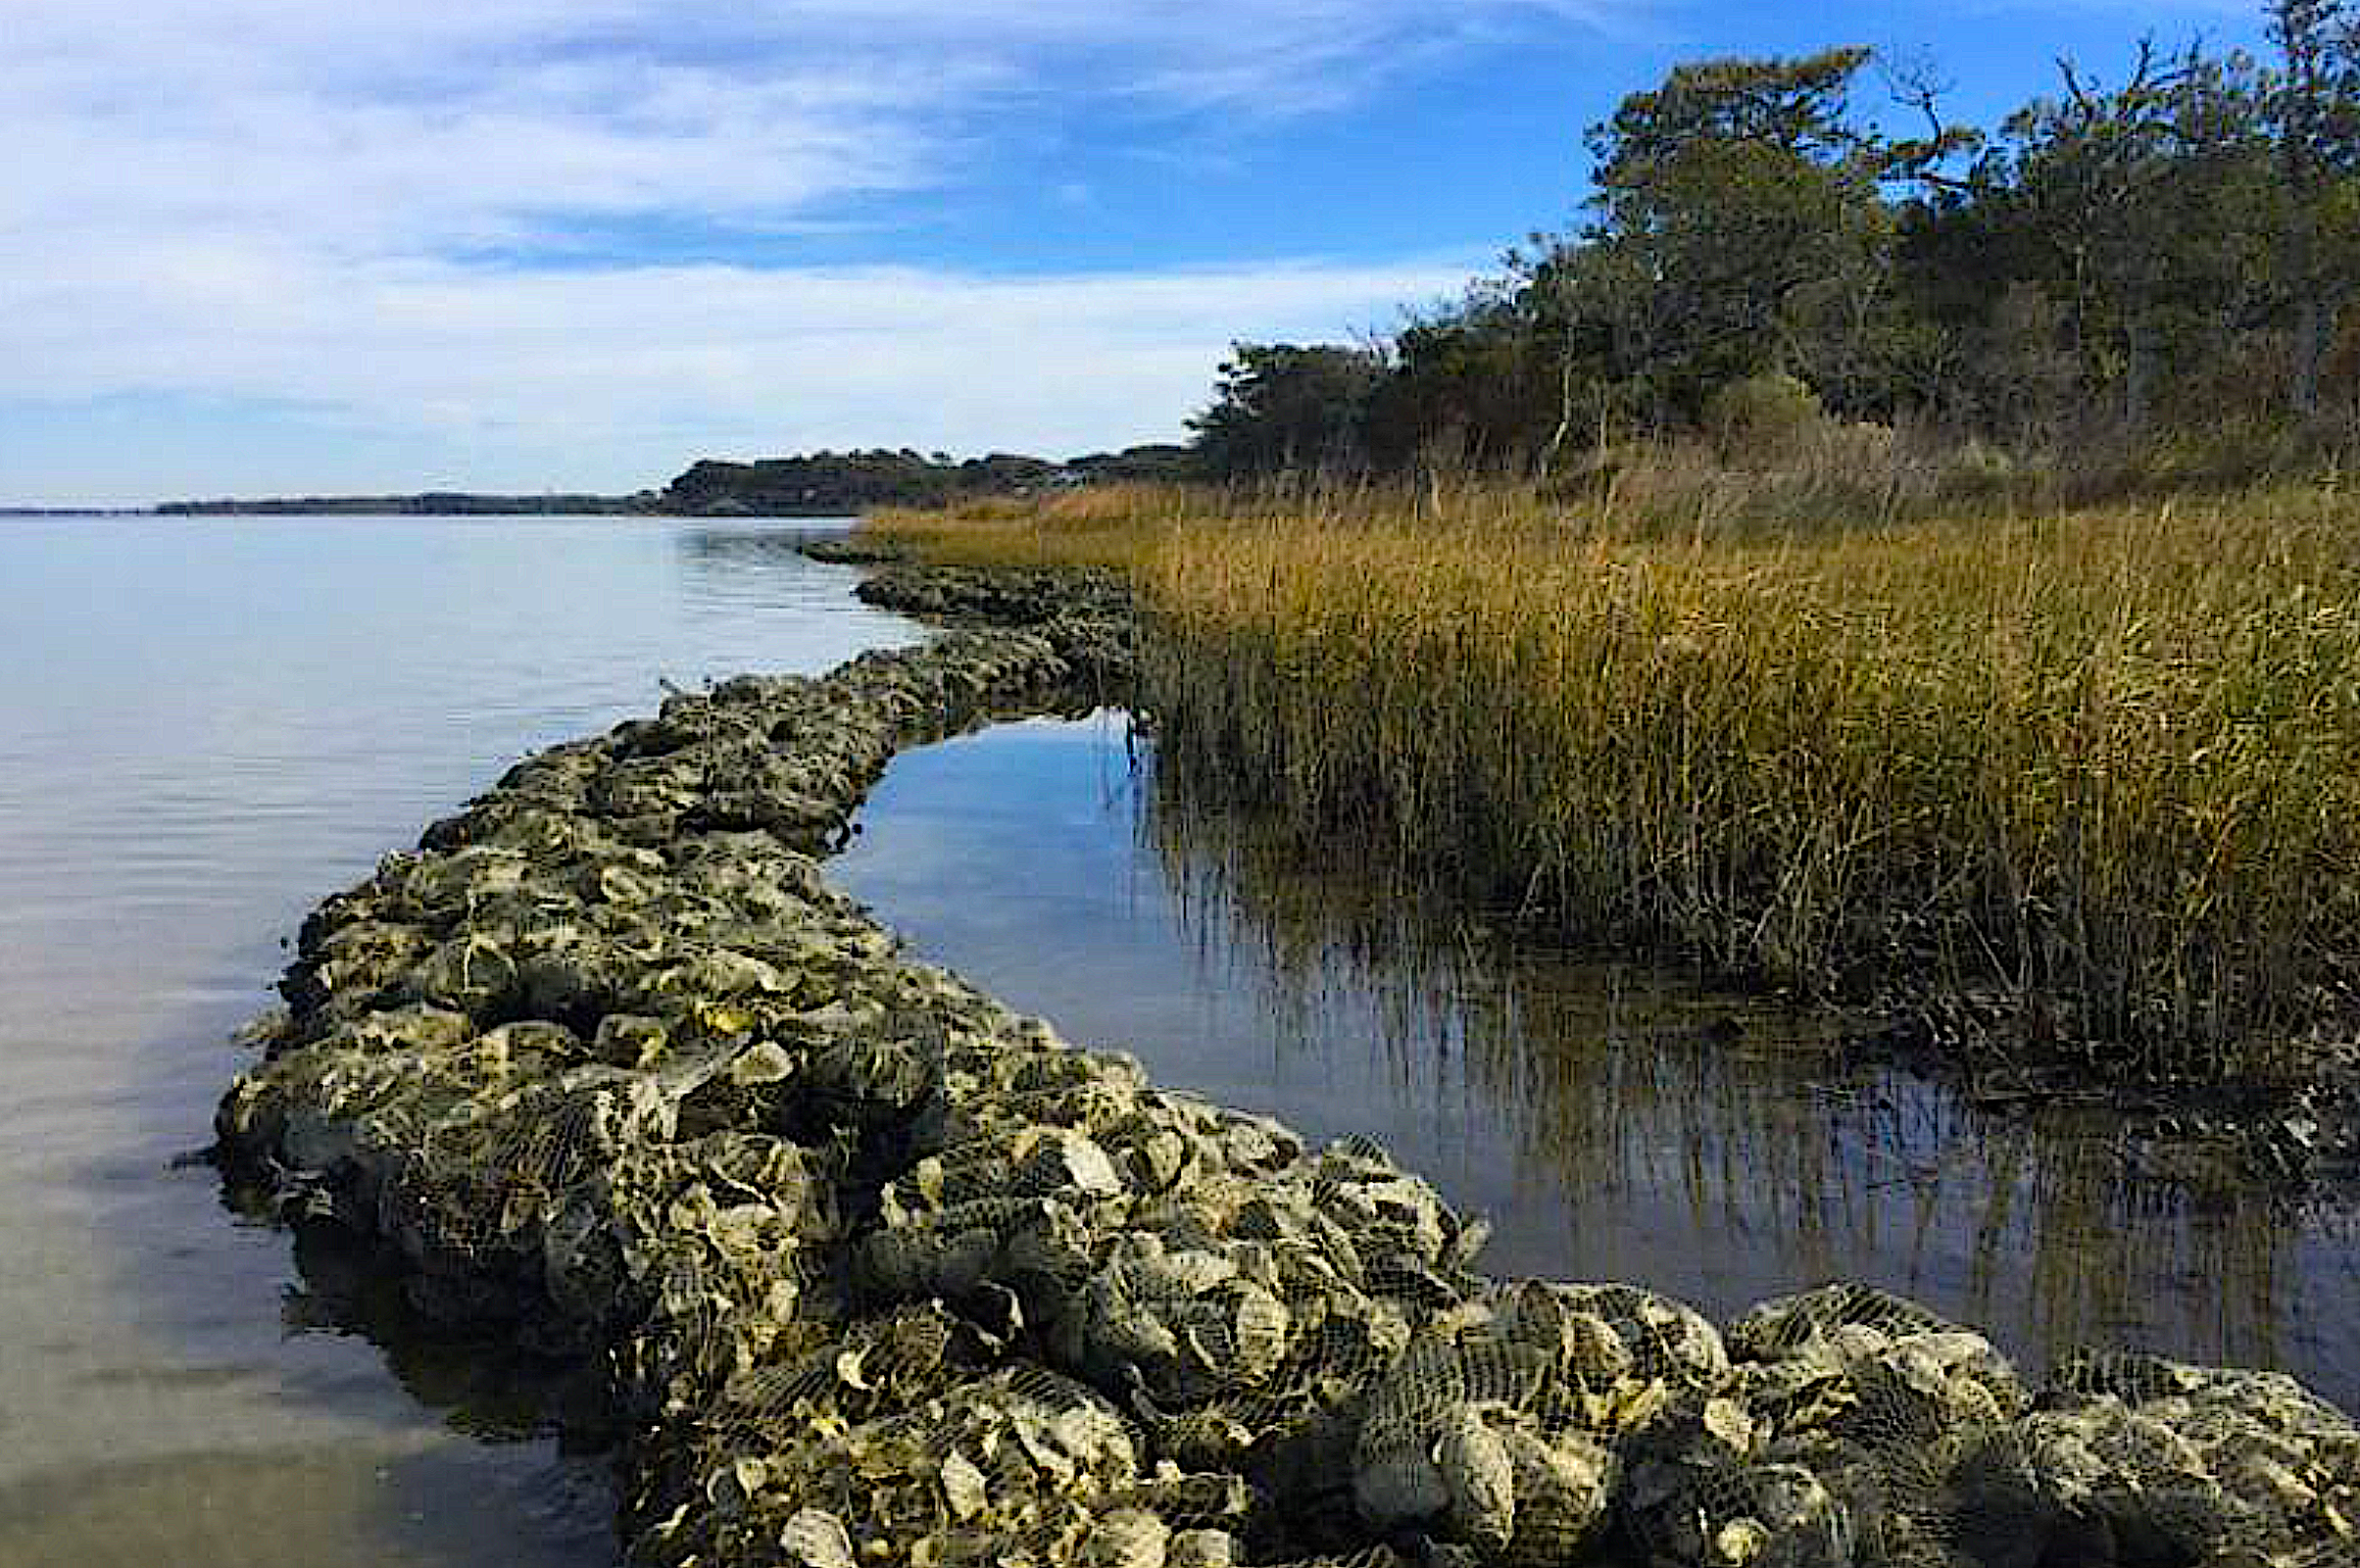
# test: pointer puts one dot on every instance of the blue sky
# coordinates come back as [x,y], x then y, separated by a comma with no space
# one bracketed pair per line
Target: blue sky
[297,245]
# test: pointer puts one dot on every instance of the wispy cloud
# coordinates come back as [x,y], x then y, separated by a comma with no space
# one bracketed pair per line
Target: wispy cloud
[314,203]
[437,123]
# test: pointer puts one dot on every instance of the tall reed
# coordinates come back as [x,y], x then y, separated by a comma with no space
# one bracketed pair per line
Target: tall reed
[1101,525]
[2101,764]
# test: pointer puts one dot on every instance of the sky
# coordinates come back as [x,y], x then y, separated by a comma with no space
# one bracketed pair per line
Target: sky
[274,247]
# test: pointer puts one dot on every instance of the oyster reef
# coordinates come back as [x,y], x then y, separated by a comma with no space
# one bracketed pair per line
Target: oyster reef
[878,1273]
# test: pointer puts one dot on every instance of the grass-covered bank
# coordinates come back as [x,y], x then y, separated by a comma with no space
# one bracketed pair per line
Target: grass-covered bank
[2100,765]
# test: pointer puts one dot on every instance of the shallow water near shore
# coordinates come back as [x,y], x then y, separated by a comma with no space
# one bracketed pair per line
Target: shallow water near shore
[211,724]
[1615,1122]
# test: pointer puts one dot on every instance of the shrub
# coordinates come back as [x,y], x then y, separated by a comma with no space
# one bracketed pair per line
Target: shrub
[1763,418]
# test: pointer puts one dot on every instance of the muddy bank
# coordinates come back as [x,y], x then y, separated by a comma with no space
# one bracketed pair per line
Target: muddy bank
[875,1271]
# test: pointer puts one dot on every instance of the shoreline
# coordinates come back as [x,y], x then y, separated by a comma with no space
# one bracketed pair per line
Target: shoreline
[865,1258]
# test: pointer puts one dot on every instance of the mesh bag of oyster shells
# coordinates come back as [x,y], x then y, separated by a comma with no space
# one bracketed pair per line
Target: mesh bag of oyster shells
[1154,1239]
[2158,1461]
[1505,1425]
[707,1253]
[899,1441]
[455,1142]
[1854,1427]
[1237,1293]
[1016,1465]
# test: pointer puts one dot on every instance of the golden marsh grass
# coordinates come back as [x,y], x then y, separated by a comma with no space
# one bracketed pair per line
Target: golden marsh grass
[2103,764]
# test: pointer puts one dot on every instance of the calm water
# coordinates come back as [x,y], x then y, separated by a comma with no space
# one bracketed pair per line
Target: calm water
[1613,1124]
[205,726]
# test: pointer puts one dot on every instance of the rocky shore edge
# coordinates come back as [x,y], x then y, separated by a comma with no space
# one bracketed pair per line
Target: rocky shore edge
[877,1273]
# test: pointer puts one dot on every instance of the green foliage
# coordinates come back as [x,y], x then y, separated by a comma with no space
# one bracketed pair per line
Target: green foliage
[1467,384]
[2119,264]
[1281,409]
[831,484]
[1722,193]
[1768,413]
[1153,462]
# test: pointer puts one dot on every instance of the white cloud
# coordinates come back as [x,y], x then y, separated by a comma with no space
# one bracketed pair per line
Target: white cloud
[613,378]
[322,204]
[433,122]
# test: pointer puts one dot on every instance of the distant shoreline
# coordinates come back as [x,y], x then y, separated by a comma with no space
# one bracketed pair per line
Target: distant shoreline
[818,484]
[427,503]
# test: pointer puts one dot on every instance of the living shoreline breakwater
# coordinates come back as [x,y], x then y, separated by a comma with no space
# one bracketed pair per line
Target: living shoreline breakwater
[876,1272]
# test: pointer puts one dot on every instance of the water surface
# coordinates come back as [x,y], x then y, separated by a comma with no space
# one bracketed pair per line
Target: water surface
[209,724]
[1614,1122]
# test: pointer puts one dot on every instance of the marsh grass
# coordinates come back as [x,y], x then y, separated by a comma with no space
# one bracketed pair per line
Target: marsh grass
[2099,766]
[1101,525]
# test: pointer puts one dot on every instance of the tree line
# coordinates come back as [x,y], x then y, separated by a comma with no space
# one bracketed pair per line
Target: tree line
[2172,252]
[834,485]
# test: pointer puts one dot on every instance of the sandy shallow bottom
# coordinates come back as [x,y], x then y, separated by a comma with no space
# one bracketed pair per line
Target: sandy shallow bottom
[208,724]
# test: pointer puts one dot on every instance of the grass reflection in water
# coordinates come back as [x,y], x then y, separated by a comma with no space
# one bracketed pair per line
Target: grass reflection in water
[1624,1122]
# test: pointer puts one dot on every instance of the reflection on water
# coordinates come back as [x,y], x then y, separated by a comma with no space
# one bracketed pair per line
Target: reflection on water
[210,724]
[736,561]
[486,1387]
[1615,1122]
